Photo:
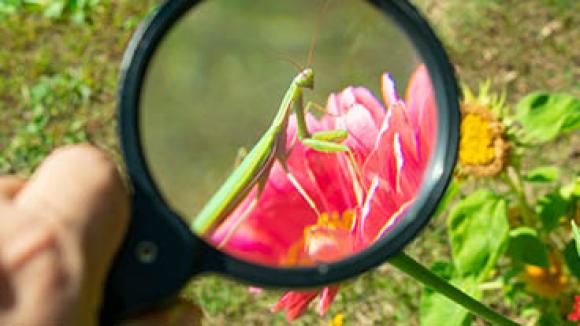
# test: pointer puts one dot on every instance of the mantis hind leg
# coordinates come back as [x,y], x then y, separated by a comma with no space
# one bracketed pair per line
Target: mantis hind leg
[282,158]
[302,192]
[236,225]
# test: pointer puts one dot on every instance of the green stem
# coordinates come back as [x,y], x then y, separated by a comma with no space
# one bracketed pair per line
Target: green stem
[417,271]
[516,184]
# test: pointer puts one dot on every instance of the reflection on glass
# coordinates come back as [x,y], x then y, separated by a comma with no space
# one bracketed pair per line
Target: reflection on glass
[214,87]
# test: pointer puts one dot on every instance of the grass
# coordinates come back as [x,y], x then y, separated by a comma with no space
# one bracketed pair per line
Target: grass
[522,45]
[58,78]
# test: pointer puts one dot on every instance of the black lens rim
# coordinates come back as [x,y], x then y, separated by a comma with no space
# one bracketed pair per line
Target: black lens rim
[133,72]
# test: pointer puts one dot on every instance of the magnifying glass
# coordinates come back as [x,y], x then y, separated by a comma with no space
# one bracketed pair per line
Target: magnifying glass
[283,143]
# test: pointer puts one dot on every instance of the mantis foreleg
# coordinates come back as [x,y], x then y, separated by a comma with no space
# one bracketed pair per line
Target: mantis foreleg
[257,164]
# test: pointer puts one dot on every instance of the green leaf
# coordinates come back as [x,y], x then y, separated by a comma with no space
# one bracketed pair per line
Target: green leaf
[572,258]
[543,174]
[478,231]
[55,9]
[576,232]
[552,208]
[436,309]
[550,318]
[544,116]
[524,246]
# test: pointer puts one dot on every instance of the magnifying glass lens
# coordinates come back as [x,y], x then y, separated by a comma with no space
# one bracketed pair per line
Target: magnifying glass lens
[312,180]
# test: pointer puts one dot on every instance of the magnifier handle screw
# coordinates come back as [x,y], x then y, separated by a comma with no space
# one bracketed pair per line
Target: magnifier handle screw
[146,252]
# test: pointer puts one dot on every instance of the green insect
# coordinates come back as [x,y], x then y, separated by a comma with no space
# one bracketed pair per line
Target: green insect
[255,168]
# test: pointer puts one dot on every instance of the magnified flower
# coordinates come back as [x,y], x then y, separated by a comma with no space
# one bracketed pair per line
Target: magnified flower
[483,146]
[358,197]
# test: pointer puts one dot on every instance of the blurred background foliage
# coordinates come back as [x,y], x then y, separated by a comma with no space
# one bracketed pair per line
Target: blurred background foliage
[76,10]
[59,64]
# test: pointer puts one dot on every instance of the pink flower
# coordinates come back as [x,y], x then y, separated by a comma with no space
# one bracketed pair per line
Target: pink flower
[357,198]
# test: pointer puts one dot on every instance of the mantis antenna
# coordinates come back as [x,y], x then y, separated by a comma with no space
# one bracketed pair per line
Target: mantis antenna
[314,39]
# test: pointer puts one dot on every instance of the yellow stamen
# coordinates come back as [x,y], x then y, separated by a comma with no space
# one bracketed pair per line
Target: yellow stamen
[482,147]
[332,221]
[476,145]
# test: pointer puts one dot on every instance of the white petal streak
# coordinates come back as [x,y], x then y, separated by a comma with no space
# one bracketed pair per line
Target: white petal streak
[384,128]
[394,219]
[366,209]
[399,158]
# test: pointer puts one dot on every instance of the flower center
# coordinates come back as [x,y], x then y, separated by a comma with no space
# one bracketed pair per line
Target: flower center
[332,221]
[329,239]
[476,145]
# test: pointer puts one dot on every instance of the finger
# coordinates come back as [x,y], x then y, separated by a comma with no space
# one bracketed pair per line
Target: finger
[43,278]
[30,240]
[17,236]
[79,189]
[10,185]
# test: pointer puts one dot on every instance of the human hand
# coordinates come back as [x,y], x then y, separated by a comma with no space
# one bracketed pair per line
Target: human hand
[59,232]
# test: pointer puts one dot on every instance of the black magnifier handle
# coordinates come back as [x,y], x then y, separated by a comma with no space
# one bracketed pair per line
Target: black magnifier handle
[156,258]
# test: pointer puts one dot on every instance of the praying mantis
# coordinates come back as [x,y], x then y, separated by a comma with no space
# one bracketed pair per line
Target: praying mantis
[255,168]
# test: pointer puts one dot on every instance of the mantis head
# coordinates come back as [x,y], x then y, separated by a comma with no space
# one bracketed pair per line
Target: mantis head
[305,79]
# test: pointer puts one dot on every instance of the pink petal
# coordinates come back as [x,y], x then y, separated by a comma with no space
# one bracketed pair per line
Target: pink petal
[281,304]
[327,245]
[366,99]
[326,297]
[361,129]
[331,181]
[420,99]
[295,303]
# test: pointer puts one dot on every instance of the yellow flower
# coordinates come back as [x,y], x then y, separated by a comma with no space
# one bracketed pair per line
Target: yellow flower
[546,282]
[337,320]
[482,146]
